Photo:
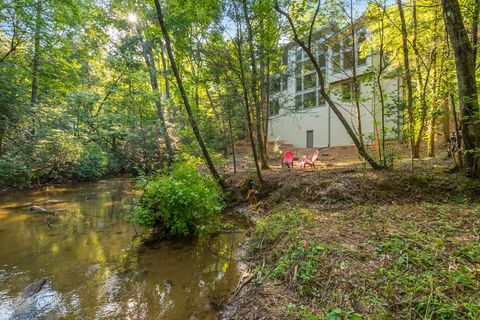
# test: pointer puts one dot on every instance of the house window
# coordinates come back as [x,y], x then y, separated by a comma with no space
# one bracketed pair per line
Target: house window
[309,100]
[274,107]
[298,102]
[299,54]
[362,58]
[347,59]
[309,81]
[308,67]
[298,84]
[346,91]
[298,67]
[321,100]
[322,61]
[336,57]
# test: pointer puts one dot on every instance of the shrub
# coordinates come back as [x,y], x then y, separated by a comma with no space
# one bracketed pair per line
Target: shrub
[179,203]
[56,156]
[60,155]
[92,163]
[13,173]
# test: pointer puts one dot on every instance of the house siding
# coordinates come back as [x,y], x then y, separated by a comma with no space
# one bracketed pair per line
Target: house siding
[291,125]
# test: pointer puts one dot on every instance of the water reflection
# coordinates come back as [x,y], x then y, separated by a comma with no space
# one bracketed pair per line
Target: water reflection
[86,250]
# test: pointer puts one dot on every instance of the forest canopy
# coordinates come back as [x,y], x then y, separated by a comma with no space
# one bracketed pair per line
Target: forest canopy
[90,88]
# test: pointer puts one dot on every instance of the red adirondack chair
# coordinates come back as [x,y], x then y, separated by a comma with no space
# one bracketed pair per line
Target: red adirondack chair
[307,161]
[288,158]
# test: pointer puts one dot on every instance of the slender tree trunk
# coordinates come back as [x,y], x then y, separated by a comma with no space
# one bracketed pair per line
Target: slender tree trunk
[193,122]
[152,72]
[361,148]
[431,136]
[266,114]
[221,120]
[246,101]
[232,142]
[253,65]
[446,121]
[167,84]
[467,88]
[356,86]
[36,62]
[2,134]
[408,78]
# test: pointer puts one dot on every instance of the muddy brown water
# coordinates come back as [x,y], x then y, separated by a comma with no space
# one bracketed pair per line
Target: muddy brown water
[94,267]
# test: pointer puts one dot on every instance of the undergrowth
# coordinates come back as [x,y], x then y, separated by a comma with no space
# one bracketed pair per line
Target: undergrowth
[407,262]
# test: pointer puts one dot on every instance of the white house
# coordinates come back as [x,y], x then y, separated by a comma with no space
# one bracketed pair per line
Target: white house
[298,113]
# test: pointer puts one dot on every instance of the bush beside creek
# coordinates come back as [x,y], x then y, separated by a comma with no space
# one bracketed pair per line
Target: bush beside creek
[178,203]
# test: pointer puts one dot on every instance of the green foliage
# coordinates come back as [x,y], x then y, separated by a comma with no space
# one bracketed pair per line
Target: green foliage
[183,201]
[283,222]
[60,155]
[56,156]
[303,258]
[92,163]
[13,173]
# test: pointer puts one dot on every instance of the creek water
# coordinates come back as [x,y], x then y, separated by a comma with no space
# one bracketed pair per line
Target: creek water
[94,268]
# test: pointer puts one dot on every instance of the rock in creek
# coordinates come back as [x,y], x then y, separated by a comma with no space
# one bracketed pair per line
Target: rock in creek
[34,288]
[38,209]
[52,201]
[38,300]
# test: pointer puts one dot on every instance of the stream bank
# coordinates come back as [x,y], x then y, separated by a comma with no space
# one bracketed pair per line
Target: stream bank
[351,243]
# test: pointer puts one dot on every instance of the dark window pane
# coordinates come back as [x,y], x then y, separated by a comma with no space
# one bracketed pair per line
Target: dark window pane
[362,56]
[346,91]
[309,100]
[308,67]
[298,85]
[298,54]
[336,63]
[310,81]
[298,102]
[298,68]
[321,101]
[276,84]
[347,60]
[322,60]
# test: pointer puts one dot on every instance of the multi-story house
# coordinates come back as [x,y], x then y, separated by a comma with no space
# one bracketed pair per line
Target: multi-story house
[299,114]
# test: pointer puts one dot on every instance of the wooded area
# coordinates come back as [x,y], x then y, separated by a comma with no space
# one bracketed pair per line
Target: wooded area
[91,88]
[187,97]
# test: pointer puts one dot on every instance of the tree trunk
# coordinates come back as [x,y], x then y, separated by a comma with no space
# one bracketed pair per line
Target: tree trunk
[446,121]
[232,142]
[152,72]
[249,128]
[221,120]
[36,62]
[408,78]
[2,133]
[253,65]
[173,110]
[356,87]
[467,88]
[193,122]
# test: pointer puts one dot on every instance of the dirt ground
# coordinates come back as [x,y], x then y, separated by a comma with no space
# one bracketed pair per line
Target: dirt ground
[343,241]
